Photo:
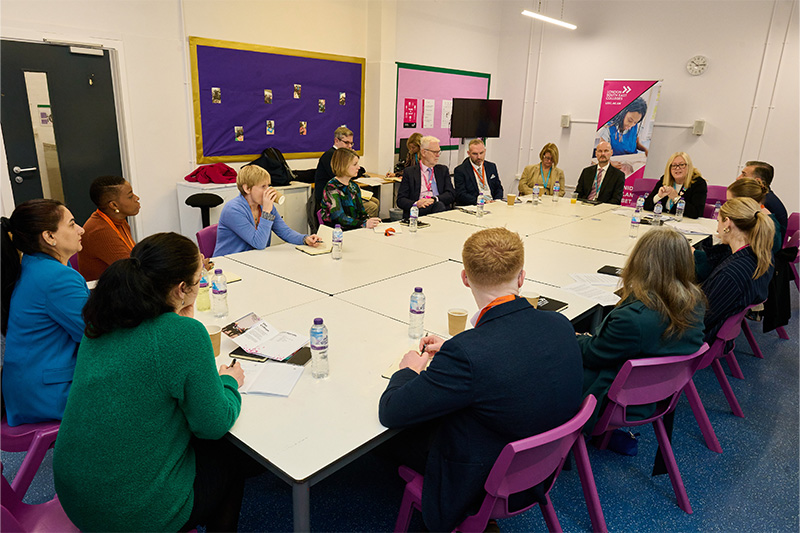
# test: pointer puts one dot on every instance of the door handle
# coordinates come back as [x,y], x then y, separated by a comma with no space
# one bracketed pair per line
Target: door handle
[17,170]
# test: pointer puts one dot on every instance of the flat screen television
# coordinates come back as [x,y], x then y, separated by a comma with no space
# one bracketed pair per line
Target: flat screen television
[474,117]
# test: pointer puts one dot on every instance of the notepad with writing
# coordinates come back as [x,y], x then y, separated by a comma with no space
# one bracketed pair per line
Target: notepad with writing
[551,304]
[269,378]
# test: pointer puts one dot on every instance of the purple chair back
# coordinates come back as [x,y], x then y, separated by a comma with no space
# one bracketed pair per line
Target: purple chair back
[792,226]
[658,380]
[708,211]
[73,262]
[35,439]
[717,193]
[207,240]
[319,217]
[44,517]
[643,186]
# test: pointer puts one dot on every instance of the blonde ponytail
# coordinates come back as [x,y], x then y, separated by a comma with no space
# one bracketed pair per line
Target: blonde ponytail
[759,231]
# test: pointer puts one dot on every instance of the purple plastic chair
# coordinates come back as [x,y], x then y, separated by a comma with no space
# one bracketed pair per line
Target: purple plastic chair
[792,226]
[717,193]
[658,380]
[794,240]
[207,240]
[45,517]
[521,465]
[73,262]
[708,211]
[642,186]
[35,439]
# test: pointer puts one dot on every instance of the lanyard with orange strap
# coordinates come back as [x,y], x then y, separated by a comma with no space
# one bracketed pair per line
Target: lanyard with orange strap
[497,301]
[128,241]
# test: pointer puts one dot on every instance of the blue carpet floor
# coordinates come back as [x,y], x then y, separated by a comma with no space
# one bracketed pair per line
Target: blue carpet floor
[752,486]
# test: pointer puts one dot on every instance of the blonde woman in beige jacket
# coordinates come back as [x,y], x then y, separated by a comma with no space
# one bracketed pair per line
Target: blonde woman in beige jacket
[546,174]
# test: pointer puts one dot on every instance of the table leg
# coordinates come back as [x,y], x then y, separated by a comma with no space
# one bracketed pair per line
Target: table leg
[301,506]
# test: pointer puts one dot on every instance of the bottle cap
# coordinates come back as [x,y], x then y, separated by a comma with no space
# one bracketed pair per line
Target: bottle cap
[217,271]
[417,289]
[317,321]
[339,226]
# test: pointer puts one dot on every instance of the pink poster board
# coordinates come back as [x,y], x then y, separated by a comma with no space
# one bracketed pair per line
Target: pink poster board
[417,83]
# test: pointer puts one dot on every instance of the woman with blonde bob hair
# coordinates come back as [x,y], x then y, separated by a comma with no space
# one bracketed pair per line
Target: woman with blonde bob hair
[742,269]
[660,313]
[545,174]
[680,180]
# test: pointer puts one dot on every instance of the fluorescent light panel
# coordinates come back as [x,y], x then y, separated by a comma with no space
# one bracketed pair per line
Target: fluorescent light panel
[550,20]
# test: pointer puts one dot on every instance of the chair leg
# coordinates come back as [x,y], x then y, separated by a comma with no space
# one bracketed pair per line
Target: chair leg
[404,515]
[588,485]
[796,277]
[733,364]
[782,333]
[752,340]
[604,440]
[726,388]
[702,417]
[30,464]
[672,466]
[550,517]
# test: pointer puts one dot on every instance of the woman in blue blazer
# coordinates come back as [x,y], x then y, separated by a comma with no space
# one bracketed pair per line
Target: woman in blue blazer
[42,303]
[660,313]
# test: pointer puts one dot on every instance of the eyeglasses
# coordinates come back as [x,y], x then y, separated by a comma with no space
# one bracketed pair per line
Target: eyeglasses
[678,165]
[436,152]
[348,143]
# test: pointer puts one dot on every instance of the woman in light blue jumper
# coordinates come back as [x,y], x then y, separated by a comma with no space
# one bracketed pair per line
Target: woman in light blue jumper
[247,221]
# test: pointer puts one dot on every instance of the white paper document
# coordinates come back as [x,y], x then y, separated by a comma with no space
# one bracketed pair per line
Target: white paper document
[447,112]
[370,182]
[256,336]
[590,292]
[604,280]
[428,106]
[269,377]
[690,227]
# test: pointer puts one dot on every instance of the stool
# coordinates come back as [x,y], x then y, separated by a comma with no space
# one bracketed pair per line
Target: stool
[205,201]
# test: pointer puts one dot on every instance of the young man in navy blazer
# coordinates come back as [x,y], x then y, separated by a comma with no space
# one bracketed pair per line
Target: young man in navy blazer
[517,373]
[428,184]
[476,175]
[606,186]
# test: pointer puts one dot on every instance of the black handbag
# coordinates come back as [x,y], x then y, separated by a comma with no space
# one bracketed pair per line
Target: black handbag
[272,161]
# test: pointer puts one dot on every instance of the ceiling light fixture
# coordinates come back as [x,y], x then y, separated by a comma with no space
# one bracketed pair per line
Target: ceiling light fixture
[550,20]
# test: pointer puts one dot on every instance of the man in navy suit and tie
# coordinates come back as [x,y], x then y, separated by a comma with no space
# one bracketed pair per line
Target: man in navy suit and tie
[602,182]
[476,176]
[516,374]
[428,185]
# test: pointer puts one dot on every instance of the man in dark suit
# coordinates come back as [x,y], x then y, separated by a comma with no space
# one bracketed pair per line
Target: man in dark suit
[476,175]
[428,185]
[601,182]
[518,373]
[342,138]
[764,172]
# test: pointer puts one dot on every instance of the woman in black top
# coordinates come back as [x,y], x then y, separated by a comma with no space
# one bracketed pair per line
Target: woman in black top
[680,180]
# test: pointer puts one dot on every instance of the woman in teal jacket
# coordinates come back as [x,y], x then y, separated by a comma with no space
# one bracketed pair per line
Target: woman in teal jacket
[660,313]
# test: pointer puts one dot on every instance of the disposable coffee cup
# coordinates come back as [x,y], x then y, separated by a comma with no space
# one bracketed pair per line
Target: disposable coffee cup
[279,198]
[512,198]
[532,297]
[215,333]
[456,321]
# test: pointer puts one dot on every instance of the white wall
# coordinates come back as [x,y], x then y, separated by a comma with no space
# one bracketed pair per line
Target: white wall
[653,40]
[540,73]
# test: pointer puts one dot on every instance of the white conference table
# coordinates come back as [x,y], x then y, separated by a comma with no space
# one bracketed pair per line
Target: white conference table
[363,262]
[444,290]
[325,424]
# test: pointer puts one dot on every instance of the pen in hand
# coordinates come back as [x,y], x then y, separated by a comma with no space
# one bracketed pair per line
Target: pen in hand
[233,362]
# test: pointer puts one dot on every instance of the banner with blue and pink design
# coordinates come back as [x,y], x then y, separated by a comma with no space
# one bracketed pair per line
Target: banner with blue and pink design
[627,113]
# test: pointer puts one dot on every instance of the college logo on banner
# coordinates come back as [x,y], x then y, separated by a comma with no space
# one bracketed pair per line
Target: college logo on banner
[627,113]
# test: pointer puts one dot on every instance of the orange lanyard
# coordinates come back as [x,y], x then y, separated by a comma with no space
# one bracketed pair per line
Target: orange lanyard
[497,301]
[125,239]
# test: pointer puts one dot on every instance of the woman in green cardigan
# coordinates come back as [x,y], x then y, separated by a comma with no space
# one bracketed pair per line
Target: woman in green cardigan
[660,313]
[139,448]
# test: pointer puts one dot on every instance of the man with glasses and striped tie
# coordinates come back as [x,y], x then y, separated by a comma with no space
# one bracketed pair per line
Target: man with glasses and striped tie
[427,184]
[601,183]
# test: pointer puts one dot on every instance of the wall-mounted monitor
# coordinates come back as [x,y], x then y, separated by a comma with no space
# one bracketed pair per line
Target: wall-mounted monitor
[475,118]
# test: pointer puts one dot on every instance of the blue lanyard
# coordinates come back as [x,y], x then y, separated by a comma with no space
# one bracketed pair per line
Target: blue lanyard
[549,171]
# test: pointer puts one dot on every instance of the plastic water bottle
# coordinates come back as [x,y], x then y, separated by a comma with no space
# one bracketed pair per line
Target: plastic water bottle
[338,236]
[657,210]
[640,203]
[635,220]
[535,198]
[716,210]
[412,219]
[679,209]
[556,190]
[481,203]
[416,315]
[319,350]
[219,294]
[203,294]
